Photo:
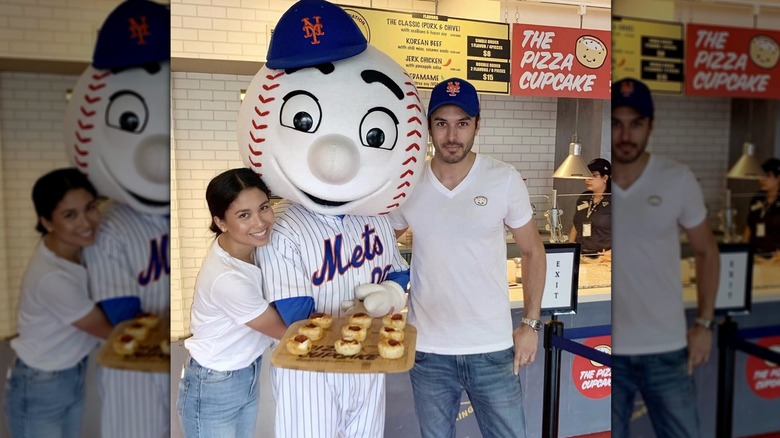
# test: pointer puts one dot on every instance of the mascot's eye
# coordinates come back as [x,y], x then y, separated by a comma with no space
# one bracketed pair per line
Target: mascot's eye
[379,129]
[301,111]
[303,122]
[129,121]
[127,111]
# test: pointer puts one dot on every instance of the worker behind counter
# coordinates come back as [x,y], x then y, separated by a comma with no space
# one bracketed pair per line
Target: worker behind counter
[763,221]
[593,215]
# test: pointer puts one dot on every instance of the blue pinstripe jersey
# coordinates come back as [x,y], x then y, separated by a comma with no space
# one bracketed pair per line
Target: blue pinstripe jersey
[326,257]
[131,257]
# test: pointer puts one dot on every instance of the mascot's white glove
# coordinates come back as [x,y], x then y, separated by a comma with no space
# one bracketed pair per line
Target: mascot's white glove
[380,299]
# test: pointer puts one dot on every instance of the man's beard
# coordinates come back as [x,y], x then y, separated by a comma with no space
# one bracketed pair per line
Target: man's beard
[634,154]
[452,159]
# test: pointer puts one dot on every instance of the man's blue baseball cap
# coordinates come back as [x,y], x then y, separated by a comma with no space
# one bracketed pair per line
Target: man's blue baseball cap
[455,91]
[136,33]
[633,93]
[313,32]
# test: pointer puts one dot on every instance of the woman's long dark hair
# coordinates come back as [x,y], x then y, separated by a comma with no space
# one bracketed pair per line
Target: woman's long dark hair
[224,188]
[49,190]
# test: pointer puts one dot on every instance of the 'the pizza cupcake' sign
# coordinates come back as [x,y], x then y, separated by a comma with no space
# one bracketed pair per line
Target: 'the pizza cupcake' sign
[560,62]
[731,61]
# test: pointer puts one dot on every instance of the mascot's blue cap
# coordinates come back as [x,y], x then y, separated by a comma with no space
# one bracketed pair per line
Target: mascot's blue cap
[137,32]
[313,32]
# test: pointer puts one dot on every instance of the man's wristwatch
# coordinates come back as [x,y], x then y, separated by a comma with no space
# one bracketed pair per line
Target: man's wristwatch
[535,324]
[704,322]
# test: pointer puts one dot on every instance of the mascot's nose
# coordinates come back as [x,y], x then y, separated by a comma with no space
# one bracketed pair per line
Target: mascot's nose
[334,159]
[152,159]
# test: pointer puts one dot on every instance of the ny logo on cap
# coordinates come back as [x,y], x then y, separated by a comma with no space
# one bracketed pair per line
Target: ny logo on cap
[627,88]
[139,31]
[453,88]
[312,30]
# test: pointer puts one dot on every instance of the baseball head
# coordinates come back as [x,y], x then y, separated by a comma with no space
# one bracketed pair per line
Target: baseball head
[344,135]
[117,123]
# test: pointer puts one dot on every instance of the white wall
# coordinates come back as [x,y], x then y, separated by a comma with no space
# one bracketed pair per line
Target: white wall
[51,29]
[694,131]
[32,106]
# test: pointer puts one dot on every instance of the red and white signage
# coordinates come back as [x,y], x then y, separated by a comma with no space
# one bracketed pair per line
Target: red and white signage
[560,62]
[592,379]
[732,61]
[763,377]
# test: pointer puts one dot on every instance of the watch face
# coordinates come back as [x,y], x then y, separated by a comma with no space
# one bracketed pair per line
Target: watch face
[534,323]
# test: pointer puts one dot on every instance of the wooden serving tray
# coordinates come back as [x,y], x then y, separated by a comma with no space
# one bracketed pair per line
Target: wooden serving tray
[323,356]
[148,357]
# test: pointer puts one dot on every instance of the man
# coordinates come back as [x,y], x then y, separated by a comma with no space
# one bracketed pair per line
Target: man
[653,197]
[459,300]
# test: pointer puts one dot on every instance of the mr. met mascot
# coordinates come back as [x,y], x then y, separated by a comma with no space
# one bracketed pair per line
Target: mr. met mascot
[117,132]
[337,129]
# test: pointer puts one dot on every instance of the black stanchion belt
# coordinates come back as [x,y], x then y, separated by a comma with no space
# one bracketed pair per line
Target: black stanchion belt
[739,342]
[581,350]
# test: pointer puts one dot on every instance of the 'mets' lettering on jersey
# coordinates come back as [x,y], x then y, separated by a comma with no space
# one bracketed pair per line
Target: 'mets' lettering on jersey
[159,261]
[332,261]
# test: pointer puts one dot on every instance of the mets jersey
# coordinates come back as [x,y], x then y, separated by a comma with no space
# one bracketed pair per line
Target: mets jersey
[326,257]
[131,257]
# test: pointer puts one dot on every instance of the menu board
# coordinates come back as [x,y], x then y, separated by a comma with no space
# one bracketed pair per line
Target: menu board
[652,51]
[732,61]
[433,47]
[560,62]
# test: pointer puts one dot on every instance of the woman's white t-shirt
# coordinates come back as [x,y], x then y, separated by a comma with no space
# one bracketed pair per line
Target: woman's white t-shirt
[228,294]
[54,296]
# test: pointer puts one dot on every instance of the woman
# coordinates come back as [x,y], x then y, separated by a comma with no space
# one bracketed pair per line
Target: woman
[231,323]
[593,217]
[763,221]
[58,324]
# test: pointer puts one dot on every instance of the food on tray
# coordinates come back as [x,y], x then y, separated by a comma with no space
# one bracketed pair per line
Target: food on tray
[390,349]
[299,345]
[396,320]
[348,347]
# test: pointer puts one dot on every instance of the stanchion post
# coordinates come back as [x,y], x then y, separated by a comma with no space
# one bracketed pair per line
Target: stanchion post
[727,331]
[552,379]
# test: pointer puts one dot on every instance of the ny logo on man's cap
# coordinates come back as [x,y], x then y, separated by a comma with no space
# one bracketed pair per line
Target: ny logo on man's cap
[312,30]
[453,88]
[627,88]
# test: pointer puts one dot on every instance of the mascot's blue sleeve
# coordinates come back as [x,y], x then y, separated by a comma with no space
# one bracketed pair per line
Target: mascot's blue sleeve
[400,277]
[294,309]
[121,308]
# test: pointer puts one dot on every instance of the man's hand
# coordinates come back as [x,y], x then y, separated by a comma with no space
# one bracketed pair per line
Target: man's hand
[699,346]
[526,341]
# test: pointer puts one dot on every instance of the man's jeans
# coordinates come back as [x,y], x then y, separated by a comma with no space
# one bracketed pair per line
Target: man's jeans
[494,390]
[45,403]
[218,403]
[667,389]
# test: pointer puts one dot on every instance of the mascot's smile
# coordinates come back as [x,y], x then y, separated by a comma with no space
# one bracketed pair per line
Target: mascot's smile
[324,201]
